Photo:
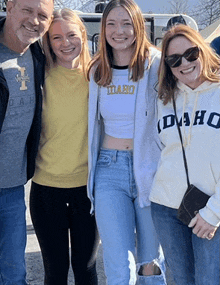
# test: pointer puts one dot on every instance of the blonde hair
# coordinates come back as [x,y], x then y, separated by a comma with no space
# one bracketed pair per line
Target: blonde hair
[70,16]
[210,61]
[103,60]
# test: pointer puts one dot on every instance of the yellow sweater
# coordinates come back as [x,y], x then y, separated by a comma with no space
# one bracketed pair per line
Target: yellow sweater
[63,153]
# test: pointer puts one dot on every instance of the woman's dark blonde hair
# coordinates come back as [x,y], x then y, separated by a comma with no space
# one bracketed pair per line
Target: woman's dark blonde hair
[103,60]
[69,16]
[210,61]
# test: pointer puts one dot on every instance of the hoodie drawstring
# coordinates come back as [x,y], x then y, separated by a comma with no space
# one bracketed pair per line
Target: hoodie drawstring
[187,139]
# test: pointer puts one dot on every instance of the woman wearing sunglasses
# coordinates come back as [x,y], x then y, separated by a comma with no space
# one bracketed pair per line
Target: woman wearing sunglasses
[189,73]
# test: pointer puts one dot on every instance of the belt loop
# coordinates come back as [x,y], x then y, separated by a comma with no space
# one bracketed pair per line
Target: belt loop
[114,155]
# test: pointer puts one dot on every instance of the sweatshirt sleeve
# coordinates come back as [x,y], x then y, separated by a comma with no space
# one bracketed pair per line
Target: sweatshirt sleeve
[211,212]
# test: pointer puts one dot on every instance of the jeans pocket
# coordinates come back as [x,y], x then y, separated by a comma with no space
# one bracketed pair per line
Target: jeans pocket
[104,160]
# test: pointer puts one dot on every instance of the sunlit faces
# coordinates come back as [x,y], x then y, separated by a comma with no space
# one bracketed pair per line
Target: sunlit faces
[188,72]
[29,19]
[66,42]
[119,30]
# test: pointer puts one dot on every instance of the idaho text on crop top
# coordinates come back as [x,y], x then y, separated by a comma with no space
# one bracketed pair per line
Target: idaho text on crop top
[117,104]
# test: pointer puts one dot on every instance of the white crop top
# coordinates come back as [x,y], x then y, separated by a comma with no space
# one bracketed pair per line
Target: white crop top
[117,104]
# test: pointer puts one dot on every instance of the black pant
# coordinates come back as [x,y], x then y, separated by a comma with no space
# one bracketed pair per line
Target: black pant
[54,211]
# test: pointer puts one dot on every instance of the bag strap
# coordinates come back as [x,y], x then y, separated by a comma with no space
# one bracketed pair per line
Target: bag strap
[181,140]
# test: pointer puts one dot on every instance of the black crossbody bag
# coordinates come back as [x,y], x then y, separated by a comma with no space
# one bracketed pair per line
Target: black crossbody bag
[194,199]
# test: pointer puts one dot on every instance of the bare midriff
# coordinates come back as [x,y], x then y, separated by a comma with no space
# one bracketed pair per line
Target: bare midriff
[116,143]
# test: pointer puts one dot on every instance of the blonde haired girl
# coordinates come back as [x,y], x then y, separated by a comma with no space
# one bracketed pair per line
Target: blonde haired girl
[58,200]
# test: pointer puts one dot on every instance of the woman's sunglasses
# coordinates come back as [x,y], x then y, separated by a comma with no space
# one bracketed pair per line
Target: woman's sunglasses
[175,60]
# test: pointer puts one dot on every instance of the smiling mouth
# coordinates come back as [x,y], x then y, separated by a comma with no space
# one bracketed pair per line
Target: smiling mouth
[34,31]
[68,51]
[119,40]
[189,70]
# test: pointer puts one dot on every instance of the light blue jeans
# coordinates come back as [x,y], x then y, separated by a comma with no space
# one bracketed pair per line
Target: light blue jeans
[192,260]
[12,236]
[126,230]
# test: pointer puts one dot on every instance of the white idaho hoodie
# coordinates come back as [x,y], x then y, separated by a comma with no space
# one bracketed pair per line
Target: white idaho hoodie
[200,127]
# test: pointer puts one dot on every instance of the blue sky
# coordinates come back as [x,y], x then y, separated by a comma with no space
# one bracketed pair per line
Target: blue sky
[158,6]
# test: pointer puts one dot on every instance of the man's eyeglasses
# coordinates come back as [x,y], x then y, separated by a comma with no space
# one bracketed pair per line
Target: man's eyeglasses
[175,60]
